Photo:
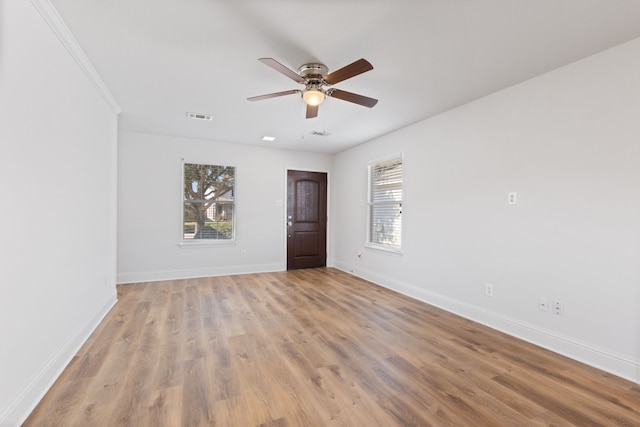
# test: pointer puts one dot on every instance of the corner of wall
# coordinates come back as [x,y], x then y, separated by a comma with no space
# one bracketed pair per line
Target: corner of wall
[26,399]
[60,29]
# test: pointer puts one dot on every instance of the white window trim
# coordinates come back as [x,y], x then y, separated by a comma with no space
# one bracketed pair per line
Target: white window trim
[371,245]
[207,243]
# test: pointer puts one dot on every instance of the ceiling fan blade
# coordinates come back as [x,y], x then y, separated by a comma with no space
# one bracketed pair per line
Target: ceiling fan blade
[282,69]
[312,111]
[273,95]
[352,97]
[351,70]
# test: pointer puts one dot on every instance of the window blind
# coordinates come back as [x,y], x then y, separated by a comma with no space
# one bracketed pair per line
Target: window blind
[385,203]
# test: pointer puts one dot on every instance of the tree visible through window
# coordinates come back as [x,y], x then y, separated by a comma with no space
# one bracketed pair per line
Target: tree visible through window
[385,204]
[209,202]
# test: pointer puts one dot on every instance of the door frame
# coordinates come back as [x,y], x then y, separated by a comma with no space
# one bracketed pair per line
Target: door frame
[285,210]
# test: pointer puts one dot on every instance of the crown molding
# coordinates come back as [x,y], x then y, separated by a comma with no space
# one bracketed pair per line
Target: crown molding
[60,29]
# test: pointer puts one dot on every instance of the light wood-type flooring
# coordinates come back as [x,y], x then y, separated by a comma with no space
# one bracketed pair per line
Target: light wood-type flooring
[316,348]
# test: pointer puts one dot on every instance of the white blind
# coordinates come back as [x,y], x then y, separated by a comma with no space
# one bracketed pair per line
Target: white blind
[385,203]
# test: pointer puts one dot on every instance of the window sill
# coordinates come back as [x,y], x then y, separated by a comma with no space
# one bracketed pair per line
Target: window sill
[206,244]
[384,249]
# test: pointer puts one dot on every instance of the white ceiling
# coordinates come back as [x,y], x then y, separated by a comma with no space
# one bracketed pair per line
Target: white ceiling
[163,58]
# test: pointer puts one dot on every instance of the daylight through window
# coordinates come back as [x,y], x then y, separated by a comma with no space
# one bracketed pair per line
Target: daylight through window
[385,204]
[209,202]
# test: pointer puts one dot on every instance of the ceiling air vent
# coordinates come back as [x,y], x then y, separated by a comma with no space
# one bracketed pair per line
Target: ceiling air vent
[320,133]
[198,116]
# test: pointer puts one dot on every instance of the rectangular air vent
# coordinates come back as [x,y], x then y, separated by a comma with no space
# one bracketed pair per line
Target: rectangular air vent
[320,133]
[198,116]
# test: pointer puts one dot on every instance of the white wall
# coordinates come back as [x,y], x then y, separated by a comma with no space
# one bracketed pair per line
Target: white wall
[57,225]
[568,143]
[150,206]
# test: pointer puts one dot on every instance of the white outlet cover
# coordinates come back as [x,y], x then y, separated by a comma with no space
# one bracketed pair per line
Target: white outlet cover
[512,198]
[557,308]
[488,289]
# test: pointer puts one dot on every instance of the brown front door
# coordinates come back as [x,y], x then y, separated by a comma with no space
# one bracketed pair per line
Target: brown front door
[306,219]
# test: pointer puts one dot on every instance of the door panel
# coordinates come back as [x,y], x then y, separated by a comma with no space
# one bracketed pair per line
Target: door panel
[306,243]
[306,219]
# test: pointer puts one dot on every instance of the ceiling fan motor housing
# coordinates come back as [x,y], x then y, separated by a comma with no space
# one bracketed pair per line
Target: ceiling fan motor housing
[313,72]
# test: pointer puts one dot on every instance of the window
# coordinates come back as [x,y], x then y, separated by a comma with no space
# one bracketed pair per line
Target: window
[208,203]
[385,204]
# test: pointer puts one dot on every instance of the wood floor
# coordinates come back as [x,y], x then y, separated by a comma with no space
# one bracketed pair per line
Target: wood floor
[316,348]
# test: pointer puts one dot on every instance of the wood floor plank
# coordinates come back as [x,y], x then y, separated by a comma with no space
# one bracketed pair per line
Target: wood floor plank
[316,347]
[165,408]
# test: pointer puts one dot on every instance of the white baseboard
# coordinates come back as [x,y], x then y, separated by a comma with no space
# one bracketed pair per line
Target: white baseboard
[157,276]
[617,364]
[26,399]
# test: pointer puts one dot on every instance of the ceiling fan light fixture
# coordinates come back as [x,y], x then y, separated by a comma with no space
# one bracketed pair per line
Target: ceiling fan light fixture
[313,96]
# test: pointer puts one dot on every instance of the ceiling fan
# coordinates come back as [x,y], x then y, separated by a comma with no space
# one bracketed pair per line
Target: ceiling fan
[314,77]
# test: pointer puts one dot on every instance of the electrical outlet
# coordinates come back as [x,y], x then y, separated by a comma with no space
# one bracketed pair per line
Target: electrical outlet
[512,198]
[557,308]
[243,253]
[543,304]
[488,289]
